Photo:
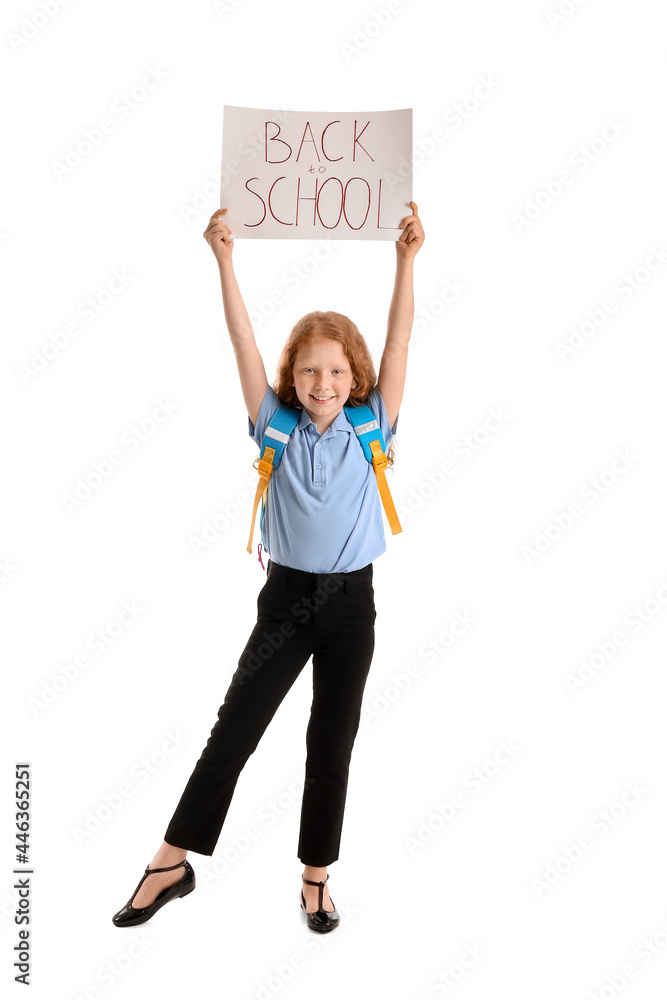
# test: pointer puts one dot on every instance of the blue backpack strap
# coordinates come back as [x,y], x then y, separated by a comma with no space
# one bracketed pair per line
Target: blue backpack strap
[368,431]
[274,439]
[366,427]
[277,434]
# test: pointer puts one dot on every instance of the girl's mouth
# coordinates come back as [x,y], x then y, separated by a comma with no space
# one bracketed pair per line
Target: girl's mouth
[321,401]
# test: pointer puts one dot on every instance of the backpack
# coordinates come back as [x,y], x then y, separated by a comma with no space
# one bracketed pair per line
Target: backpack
[277,434]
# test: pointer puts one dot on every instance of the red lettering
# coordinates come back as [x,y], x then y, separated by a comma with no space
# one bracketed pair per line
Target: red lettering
[271,210]
[379,203]
[319,188]
[336,180]
[299,198]
[274,138]
[252,224]
[368,207]
[356,140]
[303,139]
[331,158]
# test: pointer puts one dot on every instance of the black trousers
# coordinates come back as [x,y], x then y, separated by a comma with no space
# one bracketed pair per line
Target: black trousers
[331,616]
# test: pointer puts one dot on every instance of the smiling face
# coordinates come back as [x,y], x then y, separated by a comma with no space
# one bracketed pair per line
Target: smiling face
[321,370]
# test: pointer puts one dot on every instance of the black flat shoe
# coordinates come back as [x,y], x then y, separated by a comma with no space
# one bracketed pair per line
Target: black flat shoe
[129,916]
[320,919]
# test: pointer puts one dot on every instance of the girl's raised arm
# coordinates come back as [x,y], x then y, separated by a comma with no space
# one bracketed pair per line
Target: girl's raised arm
[251,367]
[394,363]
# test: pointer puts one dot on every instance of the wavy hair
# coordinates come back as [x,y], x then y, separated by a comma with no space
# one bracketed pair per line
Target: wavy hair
[333,326]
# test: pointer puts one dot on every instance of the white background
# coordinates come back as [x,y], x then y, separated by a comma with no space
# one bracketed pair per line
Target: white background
[409,915]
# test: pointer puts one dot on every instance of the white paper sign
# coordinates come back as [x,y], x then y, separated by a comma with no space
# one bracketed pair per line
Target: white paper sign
[343,175]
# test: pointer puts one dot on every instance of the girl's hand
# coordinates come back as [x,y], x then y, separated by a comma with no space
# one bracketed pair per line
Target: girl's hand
[412,236]
[217,236]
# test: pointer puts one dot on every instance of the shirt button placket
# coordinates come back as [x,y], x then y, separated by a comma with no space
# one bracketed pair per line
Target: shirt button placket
[318,465]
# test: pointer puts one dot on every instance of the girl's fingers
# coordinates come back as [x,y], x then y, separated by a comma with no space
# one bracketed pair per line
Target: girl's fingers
[412,231]
[218,232]
[215,218]
[413,205]
[216,227]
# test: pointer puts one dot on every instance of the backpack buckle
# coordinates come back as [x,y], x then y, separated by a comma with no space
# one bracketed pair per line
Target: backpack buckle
[379,457]
[265,465]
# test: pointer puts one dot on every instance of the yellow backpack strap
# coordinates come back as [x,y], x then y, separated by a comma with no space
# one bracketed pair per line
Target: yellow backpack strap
[274,440]
[380,465]
[265,468]
[370,437]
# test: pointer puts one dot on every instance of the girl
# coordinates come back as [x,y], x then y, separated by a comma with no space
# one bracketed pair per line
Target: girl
[323,527]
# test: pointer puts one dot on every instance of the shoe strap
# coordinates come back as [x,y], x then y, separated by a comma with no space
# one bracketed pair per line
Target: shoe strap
[149,871]
[320,904]
[308,881]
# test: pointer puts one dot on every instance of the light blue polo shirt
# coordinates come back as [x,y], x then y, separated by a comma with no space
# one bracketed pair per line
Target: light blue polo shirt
[323,509]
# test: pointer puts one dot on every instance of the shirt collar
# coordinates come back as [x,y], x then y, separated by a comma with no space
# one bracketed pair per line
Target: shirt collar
[341,423]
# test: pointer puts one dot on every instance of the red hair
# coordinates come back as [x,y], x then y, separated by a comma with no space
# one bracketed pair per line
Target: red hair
[332,326]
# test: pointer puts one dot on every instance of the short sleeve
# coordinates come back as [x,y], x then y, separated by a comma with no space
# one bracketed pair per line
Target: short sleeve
[376,403]
[270,404]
